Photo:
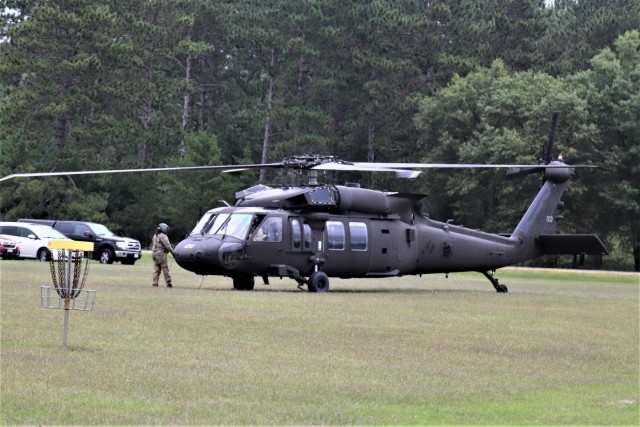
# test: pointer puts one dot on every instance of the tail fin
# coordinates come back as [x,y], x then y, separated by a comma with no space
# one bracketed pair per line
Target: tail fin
[535,230]
[542,215]
[543,212]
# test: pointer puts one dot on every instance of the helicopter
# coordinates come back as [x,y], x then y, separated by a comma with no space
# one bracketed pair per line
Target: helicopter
[310,232]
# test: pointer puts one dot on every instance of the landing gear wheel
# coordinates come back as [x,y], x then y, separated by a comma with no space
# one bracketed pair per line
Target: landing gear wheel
[501,289]
[243,283]
[318,282]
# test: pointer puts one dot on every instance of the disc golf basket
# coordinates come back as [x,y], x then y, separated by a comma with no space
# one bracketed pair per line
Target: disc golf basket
[69,277]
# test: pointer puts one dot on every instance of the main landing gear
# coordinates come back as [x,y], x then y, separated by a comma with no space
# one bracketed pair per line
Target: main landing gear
[499,288]
[318,281]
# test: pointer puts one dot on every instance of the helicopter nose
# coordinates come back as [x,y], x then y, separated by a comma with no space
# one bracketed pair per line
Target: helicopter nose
[191,250]
[208,256]
[198,255]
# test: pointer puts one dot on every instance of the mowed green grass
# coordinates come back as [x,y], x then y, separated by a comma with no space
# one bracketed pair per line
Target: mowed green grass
[559,348]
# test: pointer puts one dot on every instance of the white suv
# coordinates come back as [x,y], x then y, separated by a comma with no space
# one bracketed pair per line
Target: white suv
[32,239]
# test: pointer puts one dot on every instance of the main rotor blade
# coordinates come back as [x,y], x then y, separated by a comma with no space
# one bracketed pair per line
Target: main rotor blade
[367,167]
[111,171]
[463,166]
[402,170]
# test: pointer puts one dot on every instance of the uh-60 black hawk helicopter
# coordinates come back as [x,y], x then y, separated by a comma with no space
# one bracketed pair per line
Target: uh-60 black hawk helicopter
[313,231]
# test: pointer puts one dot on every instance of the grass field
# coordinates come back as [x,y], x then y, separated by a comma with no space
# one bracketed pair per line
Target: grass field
[559,348]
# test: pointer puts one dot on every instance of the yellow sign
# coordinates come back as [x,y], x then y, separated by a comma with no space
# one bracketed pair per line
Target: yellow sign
[70,245]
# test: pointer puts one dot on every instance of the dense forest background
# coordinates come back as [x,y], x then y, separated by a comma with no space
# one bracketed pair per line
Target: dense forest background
[104,84]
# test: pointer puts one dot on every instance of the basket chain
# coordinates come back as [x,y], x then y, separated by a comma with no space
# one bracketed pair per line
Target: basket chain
[77,284]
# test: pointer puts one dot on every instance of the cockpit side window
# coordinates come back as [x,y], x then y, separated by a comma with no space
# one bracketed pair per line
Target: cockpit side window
[236,226]
[270,230]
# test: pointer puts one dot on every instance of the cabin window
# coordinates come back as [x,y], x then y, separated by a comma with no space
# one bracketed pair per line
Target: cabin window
[300,240]
[335,236]
[307,236]
[296,234]
[358,233]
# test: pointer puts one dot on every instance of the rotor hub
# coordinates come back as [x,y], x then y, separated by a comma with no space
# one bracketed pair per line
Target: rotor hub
[558,174]
[309,161]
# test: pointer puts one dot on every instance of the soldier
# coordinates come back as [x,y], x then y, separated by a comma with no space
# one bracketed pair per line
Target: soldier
[161,246]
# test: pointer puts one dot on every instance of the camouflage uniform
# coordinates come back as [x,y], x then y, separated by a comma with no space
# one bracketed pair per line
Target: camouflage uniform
[161,246]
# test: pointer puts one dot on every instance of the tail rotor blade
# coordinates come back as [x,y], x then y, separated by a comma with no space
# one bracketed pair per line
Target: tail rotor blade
[548,154]
[516,173]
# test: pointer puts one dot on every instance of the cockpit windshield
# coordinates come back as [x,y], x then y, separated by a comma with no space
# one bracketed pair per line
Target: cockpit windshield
[235,225]
[213,226]
[205,222]
[206,219]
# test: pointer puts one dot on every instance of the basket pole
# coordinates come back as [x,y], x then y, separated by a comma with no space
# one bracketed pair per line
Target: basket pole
[67,301]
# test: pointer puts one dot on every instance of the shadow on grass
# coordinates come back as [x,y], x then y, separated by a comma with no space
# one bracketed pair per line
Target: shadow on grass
[303,291]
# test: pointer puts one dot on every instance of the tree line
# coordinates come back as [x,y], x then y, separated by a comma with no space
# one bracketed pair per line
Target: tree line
[104,84]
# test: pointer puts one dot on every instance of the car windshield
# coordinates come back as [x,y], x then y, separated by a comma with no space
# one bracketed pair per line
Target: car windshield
[49,233]
[101,230]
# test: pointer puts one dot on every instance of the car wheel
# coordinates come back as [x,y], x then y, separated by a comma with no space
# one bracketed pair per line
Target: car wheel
[106,256]
[44,255]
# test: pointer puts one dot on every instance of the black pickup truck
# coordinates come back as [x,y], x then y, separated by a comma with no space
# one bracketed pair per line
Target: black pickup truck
[107,246]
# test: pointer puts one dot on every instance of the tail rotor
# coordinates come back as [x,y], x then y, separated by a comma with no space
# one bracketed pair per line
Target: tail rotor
[547,154]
